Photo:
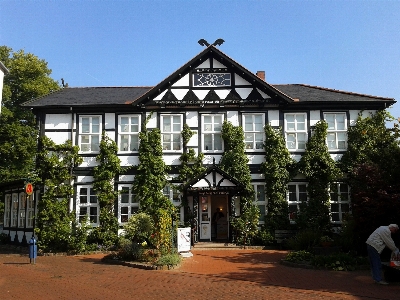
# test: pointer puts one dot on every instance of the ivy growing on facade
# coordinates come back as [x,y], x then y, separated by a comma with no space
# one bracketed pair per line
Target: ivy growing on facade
[321,171]
[104,174]
[278,170]
[56,225]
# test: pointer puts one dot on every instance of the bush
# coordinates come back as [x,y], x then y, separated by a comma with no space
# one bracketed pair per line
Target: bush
[299,256]
[263,238]
[170,260]
[339,261]
[139,228]
[304,240]
[3,238]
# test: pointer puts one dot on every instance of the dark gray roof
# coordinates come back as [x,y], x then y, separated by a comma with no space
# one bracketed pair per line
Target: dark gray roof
[304,92]
[89,96]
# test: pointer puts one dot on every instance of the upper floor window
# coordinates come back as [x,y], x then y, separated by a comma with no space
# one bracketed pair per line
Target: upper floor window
[211,132]
[88,205]
[89,133]
[337,131]
[253,131]
[296,131]
[297,193]
[171,127]
[340,202]
[129,128]
[127,203]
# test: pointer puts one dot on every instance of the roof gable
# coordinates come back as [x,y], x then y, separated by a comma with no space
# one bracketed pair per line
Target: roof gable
[212,78]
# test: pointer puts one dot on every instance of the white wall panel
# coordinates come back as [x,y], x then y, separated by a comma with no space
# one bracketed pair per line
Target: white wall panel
[153,120]
[194,140]
[192,119]
[59,137]
[273,117]
[129,160]
[233,117]
[109,121]
[58,121]
[172,159]
[184,81]
[315,116]
[255,159]
[128,178]
[89,162]
[84,179]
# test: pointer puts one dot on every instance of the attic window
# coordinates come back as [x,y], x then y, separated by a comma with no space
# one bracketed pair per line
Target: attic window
[212,79]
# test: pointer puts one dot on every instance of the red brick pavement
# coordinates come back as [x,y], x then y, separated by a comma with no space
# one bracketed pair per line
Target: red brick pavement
[209,274]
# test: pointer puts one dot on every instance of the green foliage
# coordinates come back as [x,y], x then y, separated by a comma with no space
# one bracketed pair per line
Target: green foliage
[28,78]
[246,225]
[162,237]
[373,151]
[55,223]
[320,170]
[169,259]
[299,256]
[104,175]
[278,169]
[263,237]
[139,228]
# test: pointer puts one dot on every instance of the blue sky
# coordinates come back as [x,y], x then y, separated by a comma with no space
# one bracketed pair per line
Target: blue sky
[346,45]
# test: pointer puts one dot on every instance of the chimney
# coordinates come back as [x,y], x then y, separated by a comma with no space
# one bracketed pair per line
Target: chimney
[261,74]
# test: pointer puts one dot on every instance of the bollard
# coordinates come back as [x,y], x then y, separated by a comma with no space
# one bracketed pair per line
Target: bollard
[32,250]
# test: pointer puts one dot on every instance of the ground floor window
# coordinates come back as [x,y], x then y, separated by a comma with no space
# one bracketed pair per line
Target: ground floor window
[88,206]
[127,203]
[175,196]
[340,202]
[7,210]
[297,193]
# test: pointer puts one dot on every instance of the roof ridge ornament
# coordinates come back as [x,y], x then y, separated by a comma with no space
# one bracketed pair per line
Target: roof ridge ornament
[217,42]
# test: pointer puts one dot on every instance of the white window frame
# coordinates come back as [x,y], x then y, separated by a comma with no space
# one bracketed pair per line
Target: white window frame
[342,190]
[336,138]
[293,133]
[131,206]
[22,210]
[260,199]
[171,138]
[126,134]
[88,204]
[7,210]
[300,196]
[30,210]
[210,130]
[14,210]
[253,137]
[90,133]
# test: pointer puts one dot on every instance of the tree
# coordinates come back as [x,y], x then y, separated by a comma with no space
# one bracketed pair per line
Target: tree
[28,78]
[371,159]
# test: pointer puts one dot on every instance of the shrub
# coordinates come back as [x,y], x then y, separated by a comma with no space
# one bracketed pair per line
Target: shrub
[139,228]
[299,256]
[263,238]
[170,260]
[339,261]
[304,240]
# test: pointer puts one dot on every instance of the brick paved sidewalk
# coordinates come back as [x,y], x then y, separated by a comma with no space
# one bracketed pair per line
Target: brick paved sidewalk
[221,274]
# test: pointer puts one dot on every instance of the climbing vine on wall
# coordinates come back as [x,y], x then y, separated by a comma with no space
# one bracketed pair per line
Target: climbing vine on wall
[321,171]
[105,173]
[278,169]
[55,223]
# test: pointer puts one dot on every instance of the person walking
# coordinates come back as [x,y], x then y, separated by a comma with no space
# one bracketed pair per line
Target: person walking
[376,242]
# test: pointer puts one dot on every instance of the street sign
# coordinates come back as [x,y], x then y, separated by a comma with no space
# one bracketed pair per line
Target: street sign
[29,188]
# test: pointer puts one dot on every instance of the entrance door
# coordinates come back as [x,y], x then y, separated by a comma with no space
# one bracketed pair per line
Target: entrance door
[205,217]
[220,217]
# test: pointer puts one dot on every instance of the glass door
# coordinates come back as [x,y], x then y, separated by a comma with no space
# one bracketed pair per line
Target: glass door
[205,217]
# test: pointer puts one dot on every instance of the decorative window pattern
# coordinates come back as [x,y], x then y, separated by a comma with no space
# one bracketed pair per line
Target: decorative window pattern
[14,210]
[129,128]
[260,201]
[89,133]
[296,131]
[297,193]
[212,79]
[128,204]
[337,131]
[340,202]
[7,210]
[88,205]
[212,136]
[253,131]
[171,132]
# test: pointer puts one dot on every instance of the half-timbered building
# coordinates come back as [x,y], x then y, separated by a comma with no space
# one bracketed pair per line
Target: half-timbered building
[203,93]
